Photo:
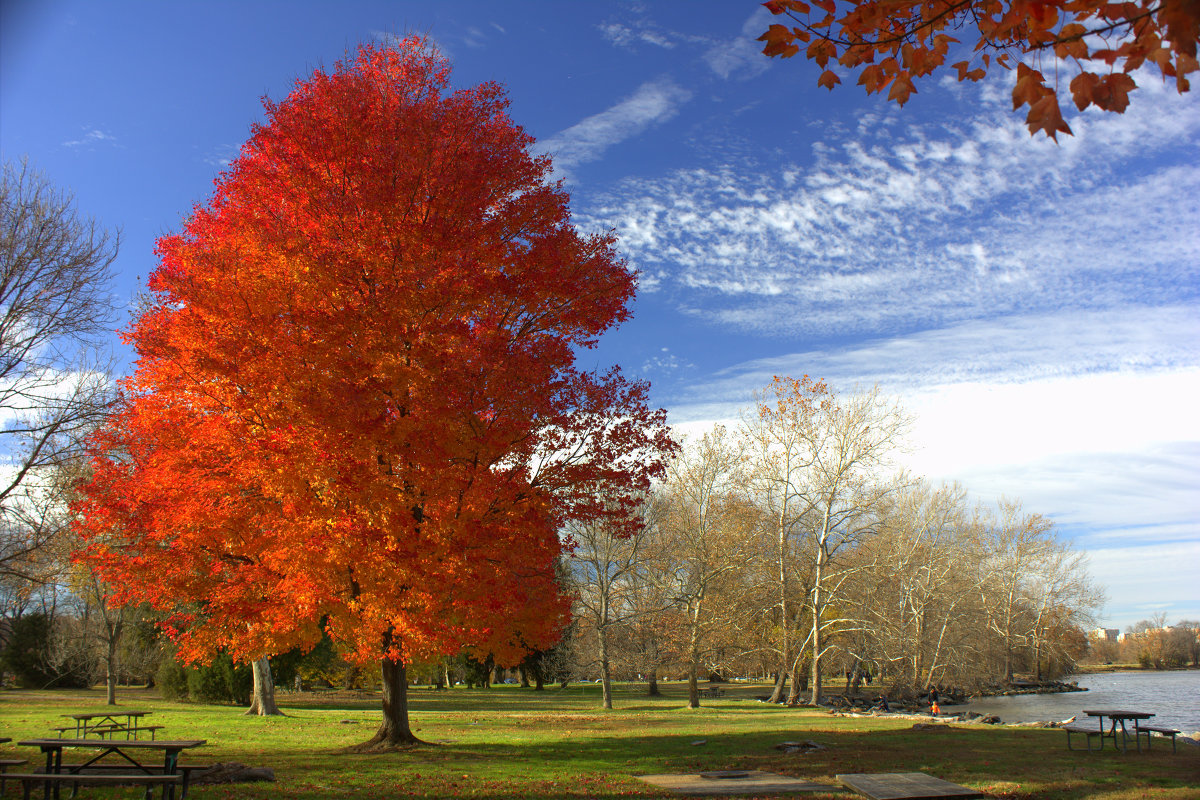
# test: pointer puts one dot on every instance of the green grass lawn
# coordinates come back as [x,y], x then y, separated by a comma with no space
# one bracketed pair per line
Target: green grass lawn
[509,742]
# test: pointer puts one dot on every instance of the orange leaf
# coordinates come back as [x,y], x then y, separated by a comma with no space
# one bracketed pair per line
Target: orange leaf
[902,87]
[1030,86]
[1116,89]
[828,79]
[1070,41]
[1083,87]
[778,42]
[1045,115]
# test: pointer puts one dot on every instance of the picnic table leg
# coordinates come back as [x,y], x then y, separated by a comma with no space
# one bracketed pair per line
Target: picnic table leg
[170,767]
[53,766]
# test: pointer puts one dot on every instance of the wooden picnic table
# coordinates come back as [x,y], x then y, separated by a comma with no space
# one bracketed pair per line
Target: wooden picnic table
[1118,717]
[109,723]
[125,749]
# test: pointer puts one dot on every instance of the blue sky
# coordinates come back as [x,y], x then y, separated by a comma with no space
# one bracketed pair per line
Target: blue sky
[1035,306]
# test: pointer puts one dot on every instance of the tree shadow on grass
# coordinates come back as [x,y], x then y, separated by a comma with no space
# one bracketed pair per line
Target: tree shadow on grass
[1001,763]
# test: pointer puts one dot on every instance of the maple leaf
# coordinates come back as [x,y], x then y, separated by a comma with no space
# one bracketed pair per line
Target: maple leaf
[1083,88]
[1113,92]
[828,79]
[902,87]
[1029,88]
[1045,115]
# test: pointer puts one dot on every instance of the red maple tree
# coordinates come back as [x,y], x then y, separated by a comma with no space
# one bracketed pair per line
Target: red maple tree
[890,43]
[356,403]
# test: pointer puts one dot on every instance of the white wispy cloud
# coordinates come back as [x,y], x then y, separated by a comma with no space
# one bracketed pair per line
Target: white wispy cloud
[664,361]
[222,156]
[92,137]
[1016,351]
[742,57]
[629,37]
[911,226]
[654,102]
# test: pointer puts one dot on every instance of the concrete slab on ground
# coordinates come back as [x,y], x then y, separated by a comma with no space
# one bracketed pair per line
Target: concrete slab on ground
[748,782]
[904,786]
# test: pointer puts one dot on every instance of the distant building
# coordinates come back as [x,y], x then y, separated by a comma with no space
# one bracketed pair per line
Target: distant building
[1107,634]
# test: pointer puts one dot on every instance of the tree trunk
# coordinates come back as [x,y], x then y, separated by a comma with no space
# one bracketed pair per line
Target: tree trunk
[350,677]
[780,684]
[605,678]
[799,681]
[439,675]
[110,673]
[394,731]
[262,701]
[652,683]
[818,602]
[785,645]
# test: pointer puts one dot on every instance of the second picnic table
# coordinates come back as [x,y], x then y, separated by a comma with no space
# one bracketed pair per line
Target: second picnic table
[104,723]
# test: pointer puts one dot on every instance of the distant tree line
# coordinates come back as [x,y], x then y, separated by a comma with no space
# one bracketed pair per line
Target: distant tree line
[792,549]
[1150,643]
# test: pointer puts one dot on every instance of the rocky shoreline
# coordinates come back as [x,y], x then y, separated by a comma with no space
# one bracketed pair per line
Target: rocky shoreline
[863,702]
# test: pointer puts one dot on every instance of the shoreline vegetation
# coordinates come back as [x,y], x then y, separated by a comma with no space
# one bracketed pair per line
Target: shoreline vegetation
[509,742]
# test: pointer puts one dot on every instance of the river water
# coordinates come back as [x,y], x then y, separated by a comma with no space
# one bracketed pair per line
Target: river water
[1173,697]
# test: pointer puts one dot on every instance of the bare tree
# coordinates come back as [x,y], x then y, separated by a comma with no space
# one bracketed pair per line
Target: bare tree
[781,458]
[1062,599]
[916,590]
[849,444]
[55,311]
[1015,544]
[604,561]
[708,536]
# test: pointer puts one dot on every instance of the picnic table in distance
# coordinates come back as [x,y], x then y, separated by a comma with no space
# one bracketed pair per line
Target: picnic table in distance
[108,723]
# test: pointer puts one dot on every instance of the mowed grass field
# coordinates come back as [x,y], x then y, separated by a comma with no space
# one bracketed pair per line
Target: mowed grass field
[509,742]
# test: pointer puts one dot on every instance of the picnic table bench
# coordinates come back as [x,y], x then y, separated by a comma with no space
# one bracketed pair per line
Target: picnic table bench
[712,691]
[1087,733]
[5,763]
[54,780]
[1159,729]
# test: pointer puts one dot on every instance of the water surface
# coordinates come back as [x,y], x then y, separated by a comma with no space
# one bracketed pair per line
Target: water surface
[1173,697]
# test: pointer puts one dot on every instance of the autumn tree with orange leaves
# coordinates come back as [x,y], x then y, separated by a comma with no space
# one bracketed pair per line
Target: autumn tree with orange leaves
[891,43]
[355,404]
